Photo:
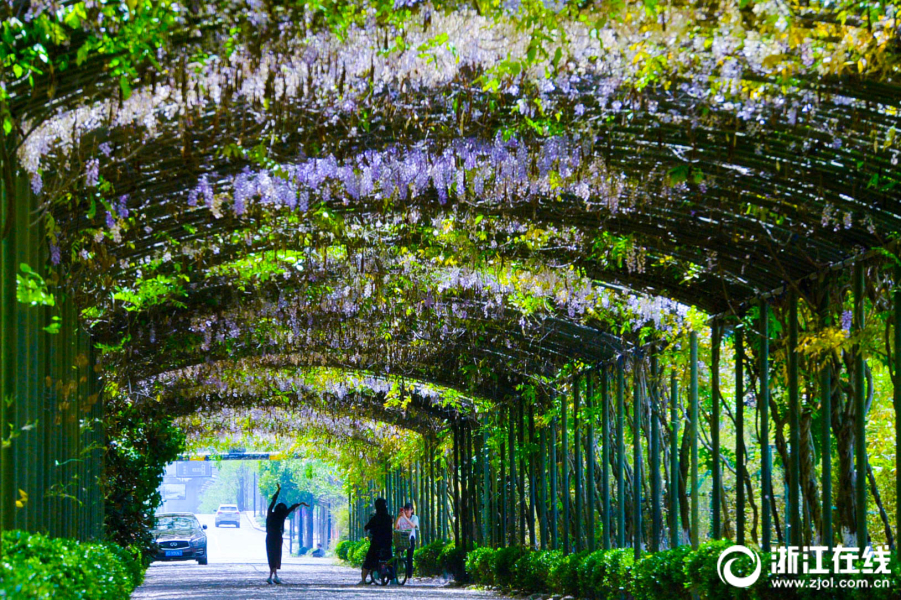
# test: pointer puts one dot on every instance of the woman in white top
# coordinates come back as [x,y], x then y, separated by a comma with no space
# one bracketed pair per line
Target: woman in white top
[407,521]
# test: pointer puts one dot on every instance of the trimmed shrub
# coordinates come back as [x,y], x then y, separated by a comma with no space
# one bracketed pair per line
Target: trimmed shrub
[613,573]
[564,575]
[700,571]
[133,559]
[505,565]
[342,549]
[453,560]
[661,575]
[585,572]
[357,554]
[480,565]
[37,567]
[426,559]
[532,569]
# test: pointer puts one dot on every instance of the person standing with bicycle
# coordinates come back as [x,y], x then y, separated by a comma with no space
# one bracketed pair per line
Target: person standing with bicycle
[407,521]
[380,530]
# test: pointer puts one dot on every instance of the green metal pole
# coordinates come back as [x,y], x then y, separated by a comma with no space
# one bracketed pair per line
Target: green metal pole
[542,516]
[486,488]
[504,496]
[794,417]
[693,390]
[456,483]
[564,448]
[860,422]
[897,399]
[7,358]
[716,339]
[826,443]
[674,461]
[740,435]
[522,474]
[553,444]
[763,403]
[511,449]
[605,458]
[620,455]
[656,501]
[577,450]
[590,486]
[533,541]
[636,463]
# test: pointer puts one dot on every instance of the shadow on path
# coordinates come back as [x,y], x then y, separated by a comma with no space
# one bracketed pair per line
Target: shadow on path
[305,579]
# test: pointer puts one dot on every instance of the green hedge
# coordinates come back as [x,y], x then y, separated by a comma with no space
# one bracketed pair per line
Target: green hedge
[661,575]
[671,575]
[480,565]
[37,567]
[427,560]
[342,549]
[354,552]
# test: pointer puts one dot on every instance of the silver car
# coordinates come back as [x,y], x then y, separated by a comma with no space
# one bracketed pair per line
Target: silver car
[228,513]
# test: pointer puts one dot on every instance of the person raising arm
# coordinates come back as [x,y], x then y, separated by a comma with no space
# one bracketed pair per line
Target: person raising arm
[275,529]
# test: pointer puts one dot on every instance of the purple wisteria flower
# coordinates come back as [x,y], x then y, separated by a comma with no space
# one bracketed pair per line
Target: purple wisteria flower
[122,206]
[846,322]
[92,172]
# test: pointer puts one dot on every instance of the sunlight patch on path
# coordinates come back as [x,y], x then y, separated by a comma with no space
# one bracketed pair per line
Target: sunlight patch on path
[306,579]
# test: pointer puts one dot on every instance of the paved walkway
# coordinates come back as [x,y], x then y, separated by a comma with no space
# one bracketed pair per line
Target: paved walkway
[306,579]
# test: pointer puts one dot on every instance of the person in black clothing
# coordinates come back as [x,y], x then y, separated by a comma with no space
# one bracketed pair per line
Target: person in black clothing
[380,526]
[275,529]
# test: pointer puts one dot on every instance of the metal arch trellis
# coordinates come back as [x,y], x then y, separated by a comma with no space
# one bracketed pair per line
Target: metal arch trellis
[783,244]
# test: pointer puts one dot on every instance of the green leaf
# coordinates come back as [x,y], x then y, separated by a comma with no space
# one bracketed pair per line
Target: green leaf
[125,87]
[54,326]
[31,288]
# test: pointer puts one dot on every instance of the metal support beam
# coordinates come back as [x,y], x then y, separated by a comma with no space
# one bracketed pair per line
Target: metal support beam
[590,486]
[656,500]
[794,418]
[620,456]
[860,418]
[553,445]
[897,399]
[740,435]
[716,339]
[577,459]
[636,461]
[564,449]
[695,485]
[674,461]
[826,445]
[605,458]
[763,404]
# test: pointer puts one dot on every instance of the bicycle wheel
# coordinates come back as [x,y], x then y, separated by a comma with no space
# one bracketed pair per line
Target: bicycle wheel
[401,569]
[383,576]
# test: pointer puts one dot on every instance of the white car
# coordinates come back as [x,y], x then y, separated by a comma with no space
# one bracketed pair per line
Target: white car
[228,513]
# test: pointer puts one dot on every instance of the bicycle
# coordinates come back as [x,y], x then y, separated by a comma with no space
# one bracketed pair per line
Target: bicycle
[393,567]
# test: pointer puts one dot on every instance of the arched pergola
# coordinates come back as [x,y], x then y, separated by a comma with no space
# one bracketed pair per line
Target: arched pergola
[508,208]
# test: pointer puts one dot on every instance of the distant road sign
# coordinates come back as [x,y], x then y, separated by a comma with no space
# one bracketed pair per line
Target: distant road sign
[193,469]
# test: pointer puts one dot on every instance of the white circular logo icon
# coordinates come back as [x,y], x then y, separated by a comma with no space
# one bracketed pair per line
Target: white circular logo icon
[725,571]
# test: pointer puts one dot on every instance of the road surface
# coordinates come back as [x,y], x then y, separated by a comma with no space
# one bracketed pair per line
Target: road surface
[237,570]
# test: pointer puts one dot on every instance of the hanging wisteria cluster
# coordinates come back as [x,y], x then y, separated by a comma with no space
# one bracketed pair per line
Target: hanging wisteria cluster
[458,191]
